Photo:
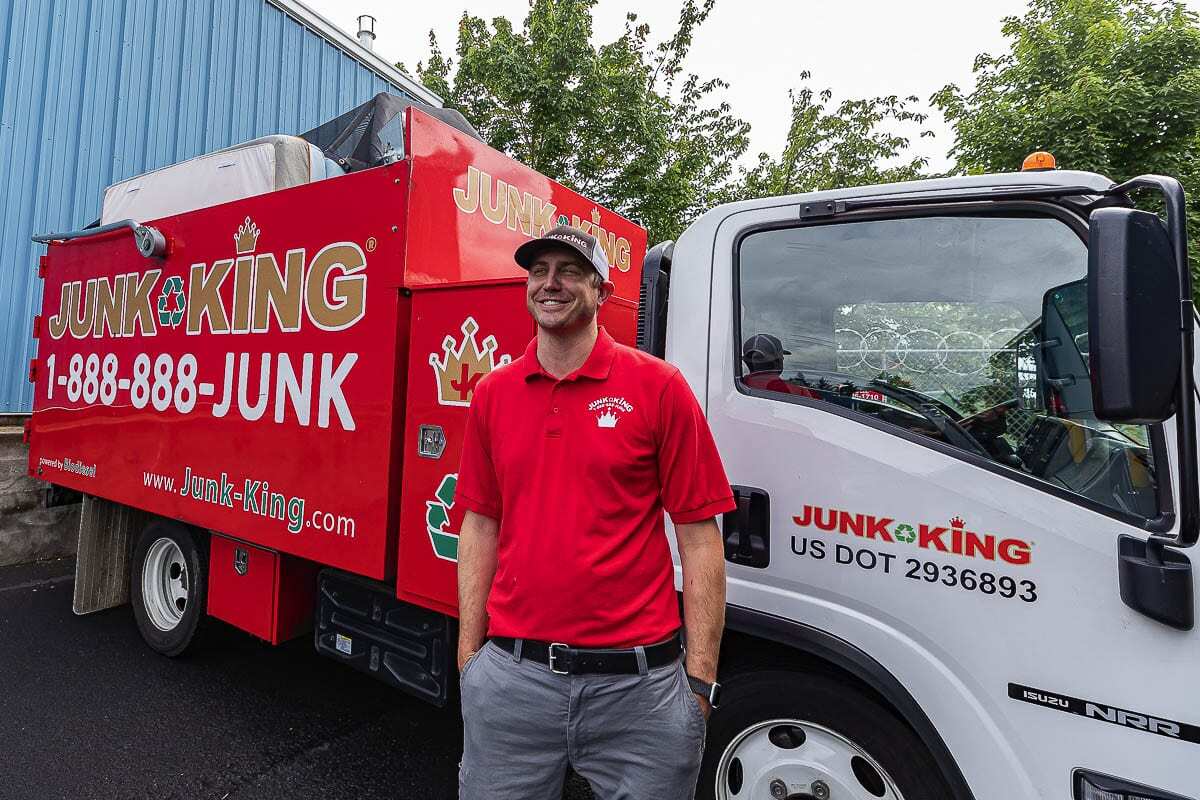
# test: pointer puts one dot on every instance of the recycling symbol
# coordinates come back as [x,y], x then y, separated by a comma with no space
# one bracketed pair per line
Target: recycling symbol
[905,532]
[171,302]
[437,517]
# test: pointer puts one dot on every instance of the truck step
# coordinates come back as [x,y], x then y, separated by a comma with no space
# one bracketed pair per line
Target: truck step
[362,624]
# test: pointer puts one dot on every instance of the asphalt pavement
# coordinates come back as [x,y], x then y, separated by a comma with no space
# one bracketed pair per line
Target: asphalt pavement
[88,711]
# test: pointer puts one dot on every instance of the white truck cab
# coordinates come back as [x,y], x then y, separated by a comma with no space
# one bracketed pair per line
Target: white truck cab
[958,568]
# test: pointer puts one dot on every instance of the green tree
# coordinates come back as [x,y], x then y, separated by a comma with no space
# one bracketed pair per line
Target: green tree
[1110,86]
[855,144]
[620,122]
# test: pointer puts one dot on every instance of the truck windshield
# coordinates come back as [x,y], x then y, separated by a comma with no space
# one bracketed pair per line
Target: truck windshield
[967,329]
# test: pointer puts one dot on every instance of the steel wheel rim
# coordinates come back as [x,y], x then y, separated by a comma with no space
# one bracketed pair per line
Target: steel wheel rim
[824,766]
[165,584]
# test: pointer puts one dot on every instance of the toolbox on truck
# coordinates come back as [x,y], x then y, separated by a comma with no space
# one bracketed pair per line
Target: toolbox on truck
[260,591]
[295,372]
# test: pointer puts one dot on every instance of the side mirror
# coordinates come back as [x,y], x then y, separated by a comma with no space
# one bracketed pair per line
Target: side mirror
[1135,347]
[1063,367]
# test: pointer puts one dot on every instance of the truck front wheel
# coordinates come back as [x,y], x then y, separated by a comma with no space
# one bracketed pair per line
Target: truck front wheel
[788,735]
[168,578]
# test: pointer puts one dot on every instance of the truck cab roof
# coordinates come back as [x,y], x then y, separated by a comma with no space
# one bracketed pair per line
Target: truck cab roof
[933,188]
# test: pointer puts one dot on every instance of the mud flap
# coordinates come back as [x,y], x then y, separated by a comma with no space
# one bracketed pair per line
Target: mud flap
[102,562]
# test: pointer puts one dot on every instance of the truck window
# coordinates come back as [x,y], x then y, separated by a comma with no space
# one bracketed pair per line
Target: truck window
[969,330]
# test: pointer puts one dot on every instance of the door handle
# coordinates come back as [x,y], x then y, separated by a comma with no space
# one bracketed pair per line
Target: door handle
[747,529]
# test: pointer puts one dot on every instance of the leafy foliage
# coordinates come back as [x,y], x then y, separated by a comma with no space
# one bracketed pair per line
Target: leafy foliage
[620,123]
[1110,86]
[854,144]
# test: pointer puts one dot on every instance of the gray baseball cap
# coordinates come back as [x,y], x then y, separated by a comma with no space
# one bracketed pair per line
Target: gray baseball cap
[565,236]
[764,347]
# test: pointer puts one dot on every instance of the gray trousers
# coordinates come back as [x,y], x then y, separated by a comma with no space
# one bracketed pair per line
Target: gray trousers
[630,736]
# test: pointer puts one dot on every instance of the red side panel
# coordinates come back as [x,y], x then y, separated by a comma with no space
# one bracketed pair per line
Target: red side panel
[472,206]
[295,598]
[458,336]
[246,383]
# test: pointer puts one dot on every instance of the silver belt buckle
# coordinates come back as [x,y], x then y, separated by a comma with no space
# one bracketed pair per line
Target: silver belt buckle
[553,655]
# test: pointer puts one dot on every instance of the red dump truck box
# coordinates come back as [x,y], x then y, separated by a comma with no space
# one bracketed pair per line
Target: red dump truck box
[270,377]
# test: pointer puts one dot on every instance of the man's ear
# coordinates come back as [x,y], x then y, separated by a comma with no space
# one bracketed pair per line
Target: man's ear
[606,290]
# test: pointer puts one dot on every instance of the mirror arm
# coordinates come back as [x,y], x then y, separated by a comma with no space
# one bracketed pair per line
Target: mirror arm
[1185,409]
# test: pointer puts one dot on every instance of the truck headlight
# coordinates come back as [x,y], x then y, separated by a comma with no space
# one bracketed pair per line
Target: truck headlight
[1096,786]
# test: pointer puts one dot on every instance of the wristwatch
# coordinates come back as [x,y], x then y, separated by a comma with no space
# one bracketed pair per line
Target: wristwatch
[709,691]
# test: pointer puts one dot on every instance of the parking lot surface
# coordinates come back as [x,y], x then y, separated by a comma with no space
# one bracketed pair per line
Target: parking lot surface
[88,711]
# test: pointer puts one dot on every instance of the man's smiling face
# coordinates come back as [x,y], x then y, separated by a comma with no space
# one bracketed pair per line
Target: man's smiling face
[563,292]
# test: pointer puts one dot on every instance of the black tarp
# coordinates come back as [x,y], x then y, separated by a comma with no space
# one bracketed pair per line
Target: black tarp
[359,138]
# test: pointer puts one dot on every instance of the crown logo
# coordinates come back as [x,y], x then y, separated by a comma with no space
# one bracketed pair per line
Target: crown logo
[957,522]
[607,420]
[462,365]
[246,237]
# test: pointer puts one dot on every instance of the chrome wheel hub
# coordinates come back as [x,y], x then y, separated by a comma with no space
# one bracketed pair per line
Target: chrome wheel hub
[165,584]
[789,759]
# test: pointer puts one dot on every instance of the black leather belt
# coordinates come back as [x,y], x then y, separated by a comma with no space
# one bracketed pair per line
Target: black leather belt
[566,660]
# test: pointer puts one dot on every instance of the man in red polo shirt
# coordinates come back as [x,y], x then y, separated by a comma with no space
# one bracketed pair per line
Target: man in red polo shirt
[572,453]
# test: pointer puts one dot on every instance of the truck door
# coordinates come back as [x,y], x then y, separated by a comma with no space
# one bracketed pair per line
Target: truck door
[919,456]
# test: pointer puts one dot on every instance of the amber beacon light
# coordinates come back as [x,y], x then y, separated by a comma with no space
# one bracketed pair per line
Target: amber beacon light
[1037,162]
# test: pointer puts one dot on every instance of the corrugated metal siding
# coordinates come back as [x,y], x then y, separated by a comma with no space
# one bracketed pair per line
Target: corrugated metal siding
[95,91]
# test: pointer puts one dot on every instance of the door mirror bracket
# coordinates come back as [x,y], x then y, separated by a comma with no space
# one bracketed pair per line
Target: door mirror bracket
[1156,581]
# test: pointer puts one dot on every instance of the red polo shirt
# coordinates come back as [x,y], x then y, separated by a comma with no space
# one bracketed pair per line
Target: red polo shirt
[578,472]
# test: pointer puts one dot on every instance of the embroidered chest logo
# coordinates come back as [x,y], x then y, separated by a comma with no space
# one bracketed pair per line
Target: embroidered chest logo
[609,410]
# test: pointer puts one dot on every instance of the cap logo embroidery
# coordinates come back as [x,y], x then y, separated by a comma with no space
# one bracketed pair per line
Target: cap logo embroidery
[564,237]
[611,409]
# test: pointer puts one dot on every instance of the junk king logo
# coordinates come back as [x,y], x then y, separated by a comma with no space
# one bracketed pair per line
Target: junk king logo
[954,538]
[462,364]
[610,410]
[502,203]
[248,293]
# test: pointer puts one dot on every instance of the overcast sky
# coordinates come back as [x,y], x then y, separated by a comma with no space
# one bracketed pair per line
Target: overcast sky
[858,48]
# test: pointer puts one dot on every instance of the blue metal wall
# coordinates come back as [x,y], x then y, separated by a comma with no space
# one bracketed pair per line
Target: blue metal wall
[95,91]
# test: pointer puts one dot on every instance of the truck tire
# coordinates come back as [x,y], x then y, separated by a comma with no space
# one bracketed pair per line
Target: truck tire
[784,734]
[168,578]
